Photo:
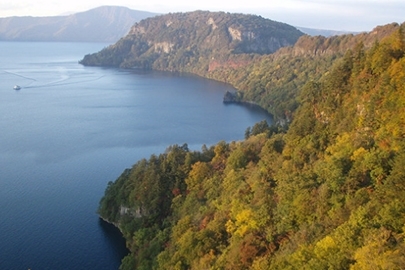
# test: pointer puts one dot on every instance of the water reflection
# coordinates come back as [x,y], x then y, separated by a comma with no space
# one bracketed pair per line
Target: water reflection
[113,239]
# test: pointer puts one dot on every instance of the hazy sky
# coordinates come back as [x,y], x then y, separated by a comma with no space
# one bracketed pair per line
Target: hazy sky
[353,15]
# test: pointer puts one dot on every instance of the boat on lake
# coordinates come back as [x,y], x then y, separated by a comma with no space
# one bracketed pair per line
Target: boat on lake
[17,87]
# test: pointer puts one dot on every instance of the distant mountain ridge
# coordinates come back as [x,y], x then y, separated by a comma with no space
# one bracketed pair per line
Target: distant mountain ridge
[102,24]
[324,32]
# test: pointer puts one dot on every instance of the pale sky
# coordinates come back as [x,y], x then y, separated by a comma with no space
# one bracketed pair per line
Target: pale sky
[350,15]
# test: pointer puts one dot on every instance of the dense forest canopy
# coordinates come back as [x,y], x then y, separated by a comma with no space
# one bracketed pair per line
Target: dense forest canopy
[326,193]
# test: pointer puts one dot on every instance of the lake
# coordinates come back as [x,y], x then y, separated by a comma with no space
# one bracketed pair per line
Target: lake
[71,129]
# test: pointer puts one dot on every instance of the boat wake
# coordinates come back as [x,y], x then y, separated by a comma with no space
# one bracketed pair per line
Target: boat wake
[65,79]
[19,75]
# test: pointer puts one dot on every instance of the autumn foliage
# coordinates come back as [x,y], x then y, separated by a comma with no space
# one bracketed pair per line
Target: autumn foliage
[327,193]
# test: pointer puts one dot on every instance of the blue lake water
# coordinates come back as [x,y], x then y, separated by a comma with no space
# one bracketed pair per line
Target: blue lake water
[71,129]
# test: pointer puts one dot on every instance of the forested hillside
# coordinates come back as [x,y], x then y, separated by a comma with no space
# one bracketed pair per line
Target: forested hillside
[328,193]
[195,42]
[274,81]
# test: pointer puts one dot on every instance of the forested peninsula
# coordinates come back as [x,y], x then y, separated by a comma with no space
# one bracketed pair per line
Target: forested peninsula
[322,191]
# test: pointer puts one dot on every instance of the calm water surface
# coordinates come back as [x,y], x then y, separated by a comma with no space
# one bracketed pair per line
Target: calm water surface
[71,129]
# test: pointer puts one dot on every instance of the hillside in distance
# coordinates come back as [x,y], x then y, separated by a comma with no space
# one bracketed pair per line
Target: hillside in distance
[102,24]
[195,42]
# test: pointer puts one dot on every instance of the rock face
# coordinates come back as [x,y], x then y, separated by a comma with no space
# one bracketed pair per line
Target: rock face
[103,24]
[173,41]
